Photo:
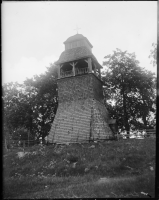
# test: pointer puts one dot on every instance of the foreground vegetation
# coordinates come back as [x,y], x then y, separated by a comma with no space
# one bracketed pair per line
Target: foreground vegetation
[122,168]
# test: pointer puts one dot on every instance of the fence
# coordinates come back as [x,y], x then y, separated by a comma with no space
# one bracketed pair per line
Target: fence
[138,134]
[11,144]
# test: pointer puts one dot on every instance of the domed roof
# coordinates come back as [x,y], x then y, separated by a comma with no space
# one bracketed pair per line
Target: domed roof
[76,53]
[76,38]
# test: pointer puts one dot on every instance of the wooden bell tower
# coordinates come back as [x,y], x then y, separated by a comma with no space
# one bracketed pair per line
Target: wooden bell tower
[81,115]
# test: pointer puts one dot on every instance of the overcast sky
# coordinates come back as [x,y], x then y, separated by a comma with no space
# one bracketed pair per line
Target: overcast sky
[33,32]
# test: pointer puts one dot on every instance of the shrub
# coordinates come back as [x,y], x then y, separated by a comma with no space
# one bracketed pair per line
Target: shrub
[22,134]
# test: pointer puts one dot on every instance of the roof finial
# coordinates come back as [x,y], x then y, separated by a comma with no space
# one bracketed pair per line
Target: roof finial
[77,29]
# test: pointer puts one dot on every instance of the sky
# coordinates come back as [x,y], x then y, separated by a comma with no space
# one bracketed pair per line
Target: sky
[33,32]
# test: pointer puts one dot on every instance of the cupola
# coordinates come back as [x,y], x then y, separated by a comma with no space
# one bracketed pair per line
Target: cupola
[77,58]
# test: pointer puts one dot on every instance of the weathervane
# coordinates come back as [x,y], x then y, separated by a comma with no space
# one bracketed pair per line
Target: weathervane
[77,29]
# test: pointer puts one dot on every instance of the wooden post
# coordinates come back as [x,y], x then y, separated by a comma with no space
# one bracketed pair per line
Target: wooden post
[95,68]
[73,65]
[73,69]
[58,71]
[90,64]
[99,73]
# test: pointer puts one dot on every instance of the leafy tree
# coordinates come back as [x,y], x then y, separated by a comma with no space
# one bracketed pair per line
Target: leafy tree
[31,105]
[45,103]
[16,106]
[130,88]
[153,54]
[10,104]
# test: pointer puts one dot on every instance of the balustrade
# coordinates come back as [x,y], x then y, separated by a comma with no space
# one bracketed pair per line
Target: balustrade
[66,74]
[81,71]
[78,71]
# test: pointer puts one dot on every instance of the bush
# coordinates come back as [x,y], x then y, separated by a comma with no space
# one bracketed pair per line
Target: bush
[22,134]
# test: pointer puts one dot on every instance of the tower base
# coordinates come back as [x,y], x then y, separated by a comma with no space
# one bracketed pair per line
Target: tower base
[80,121]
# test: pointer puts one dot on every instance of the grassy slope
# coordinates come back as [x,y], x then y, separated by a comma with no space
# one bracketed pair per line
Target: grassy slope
[103,169]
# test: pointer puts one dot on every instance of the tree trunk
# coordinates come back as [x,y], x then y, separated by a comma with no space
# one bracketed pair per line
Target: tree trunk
[43,129]
[30,121]
[126,123]
[144,120]
[144,114]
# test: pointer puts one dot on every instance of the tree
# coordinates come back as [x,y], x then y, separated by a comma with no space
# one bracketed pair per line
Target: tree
[17,108]
[130,88]
[153,54]
[45,103]
[32,105]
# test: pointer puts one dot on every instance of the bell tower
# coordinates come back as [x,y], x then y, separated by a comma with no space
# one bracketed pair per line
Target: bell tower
[81,115]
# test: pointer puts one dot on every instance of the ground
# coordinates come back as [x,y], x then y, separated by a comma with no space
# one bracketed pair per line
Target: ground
[122,169]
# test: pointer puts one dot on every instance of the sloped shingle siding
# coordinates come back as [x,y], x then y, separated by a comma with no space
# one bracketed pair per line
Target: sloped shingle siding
[81,115]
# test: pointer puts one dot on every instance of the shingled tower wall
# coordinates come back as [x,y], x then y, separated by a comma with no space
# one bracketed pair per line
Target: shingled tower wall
[81,114]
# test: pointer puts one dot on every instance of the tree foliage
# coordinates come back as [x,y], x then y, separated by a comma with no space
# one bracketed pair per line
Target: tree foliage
[45,103]
[153,54]
[31,105]
[130,88]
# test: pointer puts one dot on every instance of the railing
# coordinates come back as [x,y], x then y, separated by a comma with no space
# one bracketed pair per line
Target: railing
[77,72]
[137,134]
[81,71]
[66,74]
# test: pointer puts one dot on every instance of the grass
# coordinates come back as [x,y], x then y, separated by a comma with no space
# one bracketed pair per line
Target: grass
[112,169]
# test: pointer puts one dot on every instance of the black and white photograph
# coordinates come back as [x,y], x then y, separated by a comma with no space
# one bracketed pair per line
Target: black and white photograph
[79,90]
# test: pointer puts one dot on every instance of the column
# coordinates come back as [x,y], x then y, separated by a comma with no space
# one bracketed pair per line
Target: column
[95,69]
[58,67]
[73,69]
[90,65]
[99,73]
